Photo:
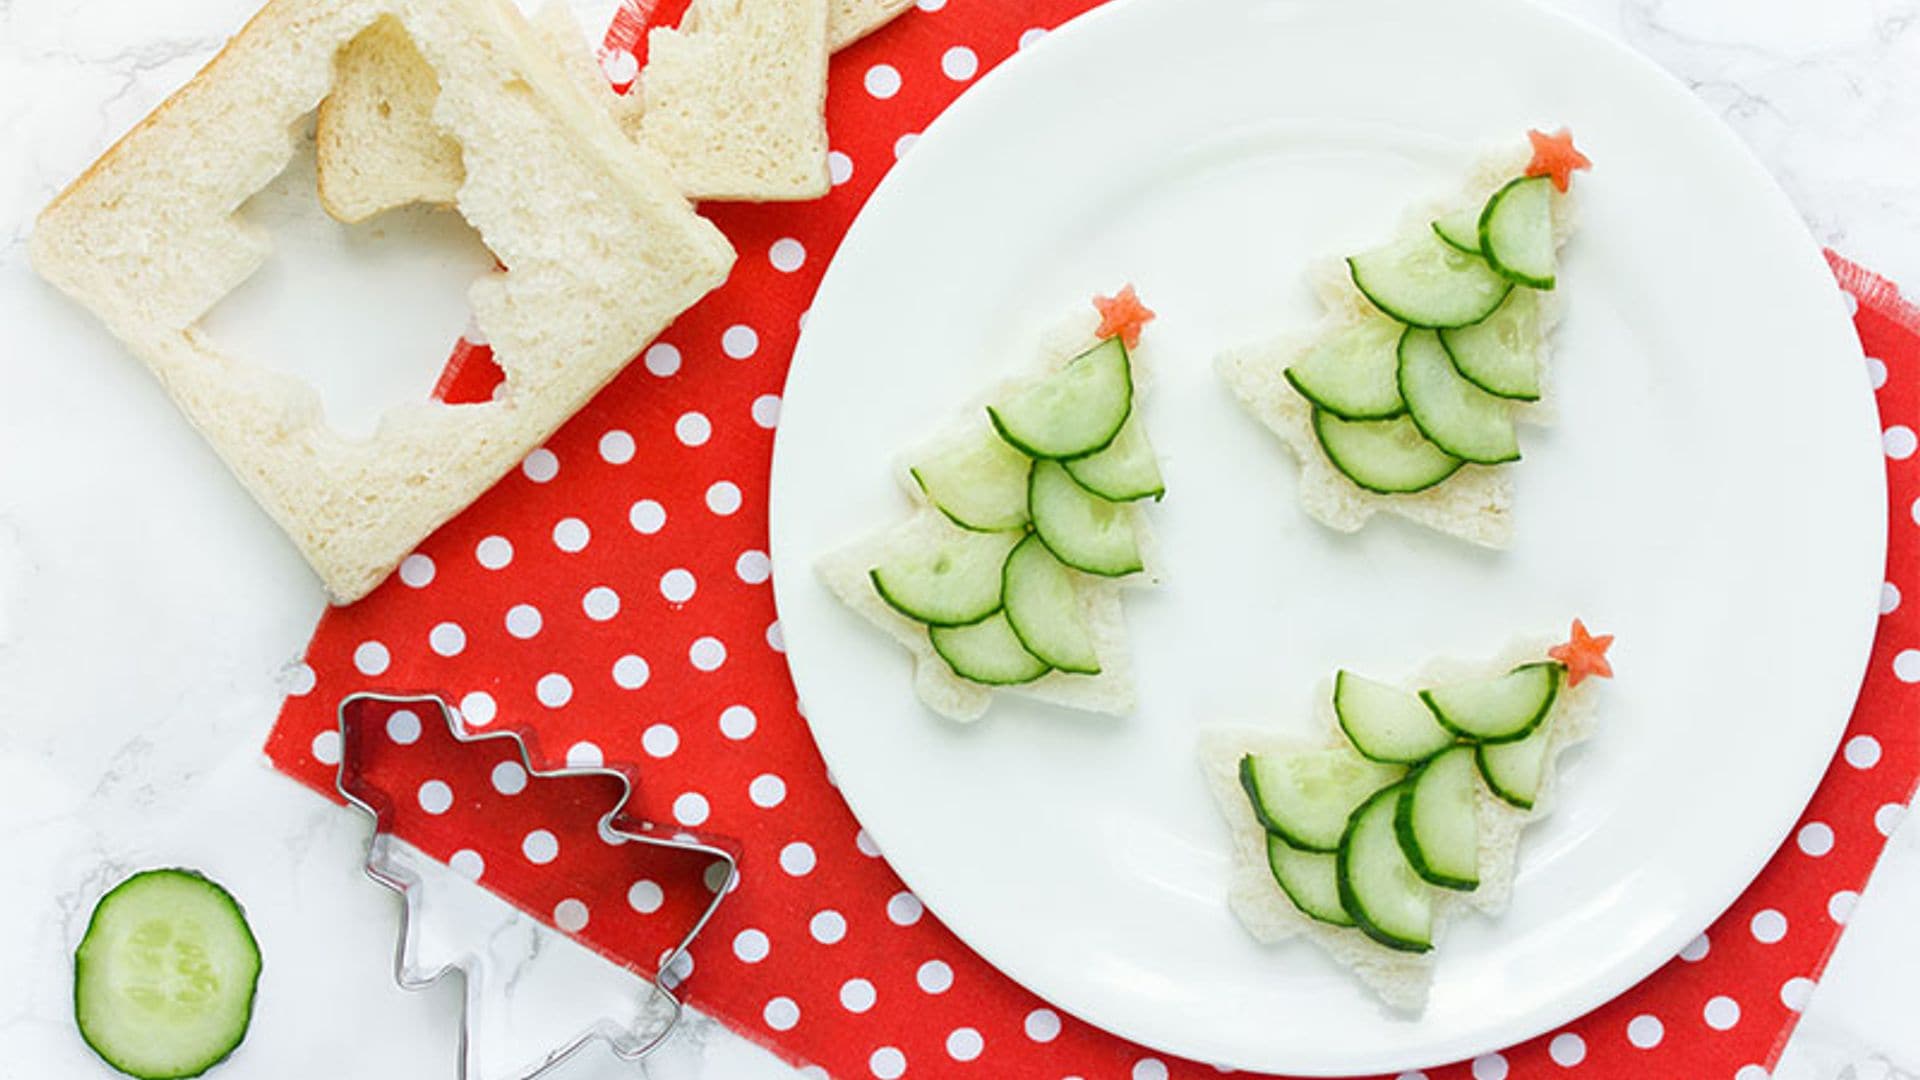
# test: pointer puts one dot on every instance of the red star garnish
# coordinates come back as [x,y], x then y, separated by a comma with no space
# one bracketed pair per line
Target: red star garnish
[1584,654]
[1122,315]
[1554,155]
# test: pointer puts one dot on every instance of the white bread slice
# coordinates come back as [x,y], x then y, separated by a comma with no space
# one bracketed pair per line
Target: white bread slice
[850,20]
[735,99]
[1475,503]
[602,249]
[1401,979]
[844,572]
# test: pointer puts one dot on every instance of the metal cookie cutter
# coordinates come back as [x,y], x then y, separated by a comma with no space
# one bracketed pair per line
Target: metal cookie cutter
[538,961]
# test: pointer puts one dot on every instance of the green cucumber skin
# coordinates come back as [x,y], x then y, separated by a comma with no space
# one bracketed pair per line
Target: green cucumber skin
[1454,243]
[1056,545]
[1005,568]
[1278,849]
[1340,716]
[1027,448]
[1410,842]
[1386,308]
[1321,418]
[1450,341]
[1487,247]
[880,588]
[1323,406]
[1251,786]
[1493,785]
[1409,341]
[1080,467]
[936,636]
[921,483]
[1539,717]
[1351,901]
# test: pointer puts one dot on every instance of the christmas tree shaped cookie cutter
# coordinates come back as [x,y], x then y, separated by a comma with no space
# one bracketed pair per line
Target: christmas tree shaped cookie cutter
[493,1013]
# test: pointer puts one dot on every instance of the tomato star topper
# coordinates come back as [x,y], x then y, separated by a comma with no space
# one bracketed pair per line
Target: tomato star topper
[1555,156]
[1122,315]
[1584,654]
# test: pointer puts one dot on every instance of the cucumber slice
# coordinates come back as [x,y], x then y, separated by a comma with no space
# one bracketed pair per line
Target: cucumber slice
[1515,770]
[163,981]
[1073,412]
[987,652]
[954,583]
[1516,232]
[1451,412]
[1461,229]
[1126,470]
[1386,723]
[1305,798]
[1437,822]
[1082,529]
[980,484]
[1378,886]
[1355,374]
[1425,281]
[1308,879]
[1043,610]
[1387,456]
[1501,709]
[1501,353]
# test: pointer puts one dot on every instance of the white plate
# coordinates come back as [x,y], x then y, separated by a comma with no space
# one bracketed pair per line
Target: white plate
[1713,494]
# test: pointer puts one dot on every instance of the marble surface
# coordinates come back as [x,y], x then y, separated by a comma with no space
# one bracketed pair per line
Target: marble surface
[150,616]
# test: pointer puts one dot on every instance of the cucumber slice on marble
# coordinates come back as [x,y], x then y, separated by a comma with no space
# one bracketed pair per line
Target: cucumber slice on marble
[1438,823]
[1515,770]
[1386,723]
[1453,414]
[1516,232]
[1355,373]
[1460,229]
[1501,353]
[954,582]
[1386,456]
[1073,412]
[1082,529]
[980,484]
[987,652]
[1126,470]
[1309,880]
[1500,709]
[1305,798]
[1387,898]
[1424,281]
[1043,609]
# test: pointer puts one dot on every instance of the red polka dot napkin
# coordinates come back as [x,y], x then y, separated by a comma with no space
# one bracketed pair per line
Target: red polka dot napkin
[610,600]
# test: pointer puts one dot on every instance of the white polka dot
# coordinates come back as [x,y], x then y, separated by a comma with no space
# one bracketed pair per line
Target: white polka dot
[1031,35]
[1752,1072]
[767,791]
[553,690]
[1149,1069]
[857,995]
[1816,838]
[737,722]
[616,447]
[719,875]
[1042,1025]
[571,535]
[739,341]
[690,808]
[647,517]
[1876,372]
[781,1014]
[787,254]
[541,466]
[766,411]
[1768,926]
[827,927]
[1721,1013]
[301,680]
[601,603]
[866,845]
[478,709]
[447,639]
[964,1044]
[707,654]
[1888,818]
[753,567]
[1840,905]
[403,727]
[416,571]
[839,167]
[585,755]
[619,66]
[1490,1067]
[326,747]
[1567,1049]
[1696,950]
[797,859]
[662,359]
[931,5]
[693,429]
[570,915]
[509,778]
[882,81]
[468,864]
[723,498]
[371,658]
[1889,598]
[645,897]
[630,672]
[904,143]
[1899,442]
[1863,751]
[1796,992]
[887,1063]
[1645,1031]
[540,847]
[751,946]
[677,585]
[776,637]
[523,621]
[959,63]
[660,740]
[904,909]
[493,553]
[672,974]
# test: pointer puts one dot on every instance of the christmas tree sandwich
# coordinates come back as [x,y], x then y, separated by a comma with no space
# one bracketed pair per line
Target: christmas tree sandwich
[1406,396]
[1007,576]
[1368,842]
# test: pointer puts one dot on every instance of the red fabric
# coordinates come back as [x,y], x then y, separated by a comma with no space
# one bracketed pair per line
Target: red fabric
[655,644]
